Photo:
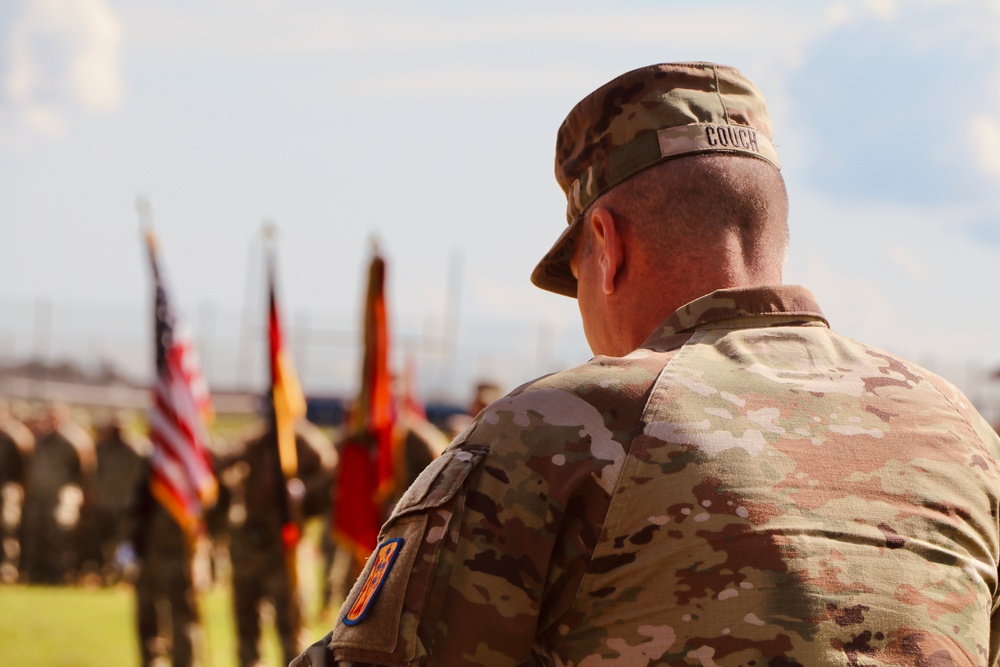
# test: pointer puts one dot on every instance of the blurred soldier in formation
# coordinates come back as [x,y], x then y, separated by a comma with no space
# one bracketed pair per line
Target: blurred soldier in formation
[107,520]
[53,495]
[16,445]
[484,393]
[166,611]
[255,493]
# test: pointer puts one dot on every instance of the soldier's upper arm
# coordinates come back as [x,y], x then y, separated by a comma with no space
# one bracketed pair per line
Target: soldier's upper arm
[447,584]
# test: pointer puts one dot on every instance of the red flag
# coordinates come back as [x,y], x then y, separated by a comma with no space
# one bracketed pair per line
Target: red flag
[182,477]
[366,463]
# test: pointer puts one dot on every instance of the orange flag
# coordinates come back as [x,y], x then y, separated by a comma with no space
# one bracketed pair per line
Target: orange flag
[366,461]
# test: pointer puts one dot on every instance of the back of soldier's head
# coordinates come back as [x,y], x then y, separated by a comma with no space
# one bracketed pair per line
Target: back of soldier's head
[695,205]
[671,146]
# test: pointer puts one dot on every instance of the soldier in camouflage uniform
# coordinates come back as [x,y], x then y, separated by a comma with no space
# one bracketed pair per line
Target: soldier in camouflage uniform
[59,469]
[108,511]
[252,476]
[16,446]
[728,482]
[166,610]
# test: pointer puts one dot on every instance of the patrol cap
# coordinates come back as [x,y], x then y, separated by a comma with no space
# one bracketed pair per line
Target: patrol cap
[639,119]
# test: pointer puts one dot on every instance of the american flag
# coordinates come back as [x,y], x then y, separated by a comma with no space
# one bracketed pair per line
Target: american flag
[182,477]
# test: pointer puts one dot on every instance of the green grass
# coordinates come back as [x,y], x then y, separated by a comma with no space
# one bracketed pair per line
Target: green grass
[95,627]
[66,626]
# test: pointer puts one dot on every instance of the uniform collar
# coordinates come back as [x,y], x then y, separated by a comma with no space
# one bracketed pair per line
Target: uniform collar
[743,307]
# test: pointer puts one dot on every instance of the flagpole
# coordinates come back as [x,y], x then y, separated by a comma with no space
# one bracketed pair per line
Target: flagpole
[365,476]
[145,211]
[247,350]
[287,406]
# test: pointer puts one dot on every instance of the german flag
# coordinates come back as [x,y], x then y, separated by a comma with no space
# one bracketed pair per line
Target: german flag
[286,393]
[289,405]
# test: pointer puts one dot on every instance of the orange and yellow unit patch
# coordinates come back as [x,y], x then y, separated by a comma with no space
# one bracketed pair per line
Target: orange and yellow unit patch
[385,556]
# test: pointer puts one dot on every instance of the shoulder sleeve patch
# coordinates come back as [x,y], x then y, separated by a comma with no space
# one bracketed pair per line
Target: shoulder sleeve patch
[385,556]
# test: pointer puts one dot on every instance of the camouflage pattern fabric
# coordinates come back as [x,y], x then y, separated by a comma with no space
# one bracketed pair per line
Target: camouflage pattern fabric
[55,476]
[168,624]
[746,488]
[107,518]
[16,445]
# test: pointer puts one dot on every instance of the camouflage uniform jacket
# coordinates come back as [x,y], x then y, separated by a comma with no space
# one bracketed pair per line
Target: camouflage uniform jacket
[746,488]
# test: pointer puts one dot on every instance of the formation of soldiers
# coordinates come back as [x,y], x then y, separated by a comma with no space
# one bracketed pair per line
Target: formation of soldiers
[55,510]
[76,510]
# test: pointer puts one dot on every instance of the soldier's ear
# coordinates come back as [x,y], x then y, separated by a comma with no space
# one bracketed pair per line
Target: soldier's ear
[608,246]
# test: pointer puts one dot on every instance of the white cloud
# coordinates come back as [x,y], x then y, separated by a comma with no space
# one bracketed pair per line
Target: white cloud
[294,29]
[61,55]
[983,132]
[477,80]
[888,11]
[883,9]
[842,13]
[906,260]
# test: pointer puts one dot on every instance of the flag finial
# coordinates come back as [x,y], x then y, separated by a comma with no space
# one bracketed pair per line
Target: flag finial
[375,243]
[268,230]
[145,210]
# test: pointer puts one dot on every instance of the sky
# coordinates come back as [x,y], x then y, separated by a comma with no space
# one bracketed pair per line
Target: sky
[430,127]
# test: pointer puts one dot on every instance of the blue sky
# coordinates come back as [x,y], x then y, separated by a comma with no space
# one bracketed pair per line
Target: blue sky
[433,127]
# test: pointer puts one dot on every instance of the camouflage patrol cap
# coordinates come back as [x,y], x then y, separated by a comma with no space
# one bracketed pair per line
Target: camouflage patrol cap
[639,119]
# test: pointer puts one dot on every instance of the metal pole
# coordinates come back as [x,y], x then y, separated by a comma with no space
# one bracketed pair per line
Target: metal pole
[452,300]
[249,332]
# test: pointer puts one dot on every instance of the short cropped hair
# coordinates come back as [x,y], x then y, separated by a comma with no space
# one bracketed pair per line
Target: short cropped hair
[686,206]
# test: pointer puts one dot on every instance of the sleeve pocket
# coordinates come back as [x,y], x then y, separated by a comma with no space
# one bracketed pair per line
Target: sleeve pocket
[393,598]
[439,481]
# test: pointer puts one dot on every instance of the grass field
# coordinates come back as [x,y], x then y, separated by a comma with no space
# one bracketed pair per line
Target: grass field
[94,627]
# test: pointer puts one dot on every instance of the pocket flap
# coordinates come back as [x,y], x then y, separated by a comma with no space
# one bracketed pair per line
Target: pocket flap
[441,480]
